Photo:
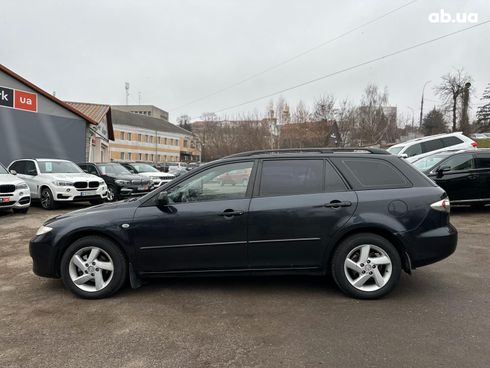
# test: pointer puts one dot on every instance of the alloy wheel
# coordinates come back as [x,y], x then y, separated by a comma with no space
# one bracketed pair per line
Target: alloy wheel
[46,199]
[110,194]
[368,267]
[91,269]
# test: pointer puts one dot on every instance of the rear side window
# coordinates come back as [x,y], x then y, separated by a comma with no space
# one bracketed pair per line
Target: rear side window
[432,145]
[483,161]
[451,141]
[372,173]
[333,181]
[289,177]
[416,149]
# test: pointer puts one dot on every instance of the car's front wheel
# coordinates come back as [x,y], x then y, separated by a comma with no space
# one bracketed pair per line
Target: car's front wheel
[47,199]
[366,266]
[112,193]
[93,267]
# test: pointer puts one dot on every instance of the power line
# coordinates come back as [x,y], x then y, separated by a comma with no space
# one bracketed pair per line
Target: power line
[354,66]
[292,58]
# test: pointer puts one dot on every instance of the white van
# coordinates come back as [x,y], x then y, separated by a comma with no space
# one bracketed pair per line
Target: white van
[420,147]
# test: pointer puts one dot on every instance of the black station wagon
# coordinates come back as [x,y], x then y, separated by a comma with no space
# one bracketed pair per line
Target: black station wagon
[361,215]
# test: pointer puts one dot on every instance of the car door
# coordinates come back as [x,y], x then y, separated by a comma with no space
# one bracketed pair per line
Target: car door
[483,168]
[297,205]
[204,227]
[458,177]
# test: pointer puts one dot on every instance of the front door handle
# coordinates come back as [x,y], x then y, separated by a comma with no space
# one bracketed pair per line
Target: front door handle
[230,213]
[337,204]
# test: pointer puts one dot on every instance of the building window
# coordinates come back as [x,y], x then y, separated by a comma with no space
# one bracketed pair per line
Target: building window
[129,136]
[140,156]
[164,140]
[151,157]
[122,135]
[129,155]
[121,156]
[139,138]
[146,157]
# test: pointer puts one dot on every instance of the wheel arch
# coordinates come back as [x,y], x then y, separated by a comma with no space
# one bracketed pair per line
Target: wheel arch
[385,233]
[72,237]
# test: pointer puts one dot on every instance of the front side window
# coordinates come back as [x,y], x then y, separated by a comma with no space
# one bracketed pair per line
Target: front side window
[223,182]
[414,150]
[290,177]
[57,167]
[459,162]
[19,167]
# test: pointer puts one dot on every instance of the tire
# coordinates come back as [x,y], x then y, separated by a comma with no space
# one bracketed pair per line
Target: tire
[95,202]
[20,210]
[95,281]
[112,193]
[376,274]
[47,199]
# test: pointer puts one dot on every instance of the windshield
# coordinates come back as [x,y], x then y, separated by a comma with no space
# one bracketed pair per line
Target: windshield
[113,169]
[58,167]
[3,170]
[428,162]
[144,168]
[395,150]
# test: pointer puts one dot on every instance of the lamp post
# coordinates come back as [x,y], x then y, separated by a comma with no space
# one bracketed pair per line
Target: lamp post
[422,104]
[413,114]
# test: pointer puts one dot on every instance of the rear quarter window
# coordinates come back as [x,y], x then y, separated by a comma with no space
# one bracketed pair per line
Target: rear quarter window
[451,141]
[370,173]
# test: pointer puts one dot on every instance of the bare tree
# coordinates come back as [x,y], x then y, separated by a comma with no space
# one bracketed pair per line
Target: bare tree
[450,89]
[301,113]
[374,123]
[483,112]
[323,108]
[346,116]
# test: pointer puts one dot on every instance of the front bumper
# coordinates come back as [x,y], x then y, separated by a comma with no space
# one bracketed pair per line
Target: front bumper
[20,198]
[431,246]
[44,256]
[126,191]
[72,194]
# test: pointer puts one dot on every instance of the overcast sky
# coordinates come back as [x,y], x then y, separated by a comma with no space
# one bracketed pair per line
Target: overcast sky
[174,52]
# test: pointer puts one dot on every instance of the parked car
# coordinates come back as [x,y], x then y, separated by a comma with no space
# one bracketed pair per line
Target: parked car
[120,182]
[479,136]
[14,192]
[177,168]
[364,217]
[420,147]
[464,174]
[55,181]
[157,177]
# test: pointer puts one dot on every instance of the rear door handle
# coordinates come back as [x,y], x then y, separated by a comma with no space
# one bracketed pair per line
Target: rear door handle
[337,204]
[230,213]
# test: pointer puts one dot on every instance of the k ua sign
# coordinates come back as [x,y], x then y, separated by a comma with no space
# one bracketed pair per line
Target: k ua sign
[17,99]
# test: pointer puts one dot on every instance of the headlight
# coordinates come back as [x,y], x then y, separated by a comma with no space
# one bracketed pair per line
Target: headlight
[21,186]
[123,182]
[61,183]
[154,177]
[43,230]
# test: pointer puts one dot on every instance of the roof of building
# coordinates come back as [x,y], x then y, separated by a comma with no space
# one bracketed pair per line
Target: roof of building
[97,112]
[49,96]
[145,122]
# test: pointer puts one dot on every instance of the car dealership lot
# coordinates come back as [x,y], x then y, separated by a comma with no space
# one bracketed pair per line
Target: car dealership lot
[436,317]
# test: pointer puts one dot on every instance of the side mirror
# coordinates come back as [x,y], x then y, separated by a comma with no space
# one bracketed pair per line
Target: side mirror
[13,172]
[32,172]
[86,171]
[404,155]
[441,170]
[163,199]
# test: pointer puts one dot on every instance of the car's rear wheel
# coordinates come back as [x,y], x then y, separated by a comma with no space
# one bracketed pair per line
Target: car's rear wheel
[47,199]
[93,267]
[366,266]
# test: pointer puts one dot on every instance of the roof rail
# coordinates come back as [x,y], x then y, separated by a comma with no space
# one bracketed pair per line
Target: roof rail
[377,151]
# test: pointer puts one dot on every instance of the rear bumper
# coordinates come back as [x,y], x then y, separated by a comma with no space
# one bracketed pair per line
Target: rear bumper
[44,256]
[431,246]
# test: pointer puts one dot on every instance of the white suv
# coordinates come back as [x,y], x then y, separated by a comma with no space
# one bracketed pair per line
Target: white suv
[54,181]
[14,192]
[420,147]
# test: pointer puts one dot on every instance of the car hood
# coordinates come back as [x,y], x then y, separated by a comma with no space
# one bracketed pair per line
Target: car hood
[10,179]
[100,210]
[155,174]
[71,177]
[129,177]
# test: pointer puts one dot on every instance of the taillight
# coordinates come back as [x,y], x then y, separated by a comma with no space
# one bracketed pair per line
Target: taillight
[474,144]
[444,205]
